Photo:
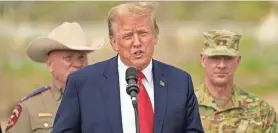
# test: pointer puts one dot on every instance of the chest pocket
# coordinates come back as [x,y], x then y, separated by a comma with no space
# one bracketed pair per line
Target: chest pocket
[42,124]
[246,123]
[225,122]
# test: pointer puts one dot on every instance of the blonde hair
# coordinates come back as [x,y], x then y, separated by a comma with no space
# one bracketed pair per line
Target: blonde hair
[134,8]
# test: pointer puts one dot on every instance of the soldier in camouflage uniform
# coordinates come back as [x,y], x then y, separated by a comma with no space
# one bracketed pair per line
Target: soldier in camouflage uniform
[224,108]
[63,51]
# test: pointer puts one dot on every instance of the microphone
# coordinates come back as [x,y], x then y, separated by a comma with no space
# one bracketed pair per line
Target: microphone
[132,88]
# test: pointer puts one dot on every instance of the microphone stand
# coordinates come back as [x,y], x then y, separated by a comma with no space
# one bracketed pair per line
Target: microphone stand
[132,89]
[135,106]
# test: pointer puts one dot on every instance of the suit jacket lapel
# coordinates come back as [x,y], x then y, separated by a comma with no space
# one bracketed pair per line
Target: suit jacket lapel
[111,95]
[160,97]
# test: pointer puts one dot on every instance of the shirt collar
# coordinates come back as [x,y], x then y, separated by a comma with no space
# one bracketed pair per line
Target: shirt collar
[57,92]
[205,98]
[147,71]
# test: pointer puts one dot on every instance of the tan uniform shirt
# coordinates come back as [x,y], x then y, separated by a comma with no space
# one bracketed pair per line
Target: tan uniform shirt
[35,114]
[3,126]
[249,114]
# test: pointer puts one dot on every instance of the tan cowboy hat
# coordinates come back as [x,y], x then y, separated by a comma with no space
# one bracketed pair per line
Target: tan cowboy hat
[67,36]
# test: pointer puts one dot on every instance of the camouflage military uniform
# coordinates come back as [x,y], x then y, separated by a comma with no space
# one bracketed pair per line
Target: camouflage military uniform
[35,113]
[248,113]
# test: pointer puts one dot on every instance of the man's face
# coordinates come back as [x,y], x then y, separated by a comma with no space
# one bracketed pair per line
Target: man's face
[63,62]
[220,69]
[134,39]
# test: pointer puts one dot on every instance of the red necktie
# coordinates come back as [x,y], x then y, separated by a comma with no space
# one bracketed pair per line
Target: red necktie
[146,117]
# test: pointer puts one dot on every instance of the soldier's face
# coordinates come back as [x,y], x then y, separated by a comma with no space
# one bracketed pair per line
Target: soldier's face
[134,39]
[63,62]
[220,69]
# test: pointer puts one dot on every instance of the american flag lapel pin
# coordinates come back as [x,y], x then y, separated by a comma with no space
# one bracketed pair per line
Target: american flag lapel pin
[162,83]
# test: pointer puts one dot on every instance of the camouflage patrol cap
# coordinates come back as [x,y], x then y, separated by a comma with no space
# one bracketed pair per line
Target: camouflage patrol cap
[221,42]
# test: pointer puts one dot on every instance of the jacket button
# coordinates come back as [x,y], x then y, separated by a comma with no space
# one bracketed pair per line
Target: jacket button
[45,124]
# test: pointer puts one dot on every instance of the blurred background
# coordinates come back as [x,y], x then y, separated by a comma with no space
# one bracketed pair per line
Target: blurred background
[181,25]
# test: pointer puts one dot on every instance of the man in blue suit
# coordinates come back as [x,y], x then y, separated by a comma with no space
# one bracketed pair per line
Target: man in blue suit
[95,99]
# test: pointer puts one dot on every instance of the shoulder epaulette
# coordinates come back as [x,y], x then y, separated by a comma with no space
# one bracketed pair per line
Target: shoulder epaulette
[38,91]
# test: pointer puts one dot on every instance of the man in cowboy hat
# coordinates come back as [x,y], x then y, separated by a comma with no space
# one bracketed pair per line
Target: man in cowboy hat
[63,51]
[225,108]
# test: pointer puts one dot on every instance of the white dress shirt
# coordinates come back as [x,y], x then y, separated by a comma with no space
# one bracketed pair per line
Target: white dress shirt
[128,117]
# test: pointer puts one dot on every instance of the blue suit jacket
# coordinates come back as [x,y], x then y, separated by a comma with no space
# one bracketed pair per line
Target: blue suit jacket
[91,102]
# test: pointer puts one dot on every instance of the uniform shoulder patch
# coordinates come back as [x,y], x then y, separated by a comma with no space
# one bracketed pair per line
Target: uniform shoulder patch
[14,116]
[38,91]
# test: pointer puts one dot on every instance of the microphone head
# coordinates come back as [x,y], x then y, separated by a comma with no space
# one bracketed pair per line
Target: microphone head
[131,73]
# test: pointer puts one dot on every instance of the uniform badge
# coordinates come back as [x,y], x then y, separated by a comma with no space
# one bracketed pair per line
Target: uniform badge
[221,42]
[45,114]
[14,116]
[242,126]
